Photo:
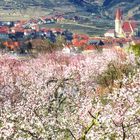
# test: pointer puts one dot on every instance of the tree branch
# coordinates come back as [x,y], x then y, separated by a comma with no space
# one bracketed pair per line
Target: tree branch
[30,133]
[124,134]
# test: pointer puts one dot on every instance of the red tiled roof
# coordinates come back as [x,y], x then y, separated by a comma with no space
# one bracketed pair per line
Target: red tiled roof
[81,36]
[133,24]
[11,44]
[89,47]
[43,17]
[4,29]
[58,29]
[79,43]
[128,27]
[3,32]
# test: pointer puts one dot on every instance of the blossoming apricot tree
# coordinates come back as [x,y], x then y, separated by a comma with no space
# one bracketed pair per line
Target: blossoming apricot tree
[55,97]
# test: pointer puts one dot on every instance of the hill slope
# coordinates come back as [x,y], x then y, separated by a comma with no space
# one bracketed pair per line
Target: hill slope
[131,8]
[103,7]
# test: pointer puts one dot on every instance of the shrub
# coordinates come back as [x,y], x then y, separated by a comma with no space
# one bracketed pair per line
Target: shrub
[1,44]
[115,71]
[136,49]
[45,45]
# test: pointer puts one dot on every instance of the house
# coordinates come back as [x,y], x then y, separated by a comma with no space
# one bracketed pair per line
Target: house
[66,50]
[57,31]
[68,35]
[60,18]
[110,33]
[12,45]
[69,49]
[19,35]
[4,30]
[96,42]
[48,34]
[7,23]
[12,36]
[50,20]
[4,35]
[41,20]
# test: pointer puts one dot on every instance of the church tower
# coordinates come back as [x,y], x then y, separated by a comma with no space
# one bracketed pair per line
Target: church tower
[118,23]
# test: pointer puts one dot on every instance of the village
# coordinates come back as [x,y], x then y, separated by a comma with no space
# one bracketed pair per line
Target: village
[21,36]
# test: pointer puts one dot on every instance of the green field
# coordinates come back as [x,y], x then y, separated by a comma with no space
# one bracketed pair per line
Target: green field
[91,30]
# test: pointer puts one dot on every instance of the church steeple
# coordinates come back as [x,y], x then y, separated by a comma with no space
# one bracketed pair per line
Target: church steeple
[118,14]
[118,23]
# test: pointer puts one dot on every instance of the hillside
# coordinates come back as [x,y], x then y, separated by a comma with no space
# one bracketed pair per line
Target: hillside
[131,8]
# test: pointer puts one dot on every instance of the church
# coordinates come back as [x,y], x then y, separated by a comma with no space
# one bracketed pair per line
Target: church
[123,28]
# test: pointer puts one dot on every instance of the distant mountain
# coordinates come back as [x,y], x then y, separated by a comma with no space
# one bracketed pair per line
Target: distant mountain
[131,8]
